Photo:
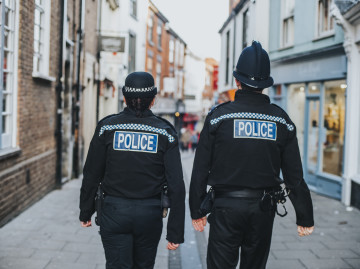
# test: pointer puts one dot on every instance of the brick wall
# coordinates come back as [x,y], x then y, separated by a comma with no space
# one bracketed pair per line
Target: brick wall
[29,175]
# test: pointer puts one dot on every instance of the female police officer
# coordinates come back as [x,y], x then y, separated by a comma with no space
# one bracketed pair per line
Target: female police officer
[133,154]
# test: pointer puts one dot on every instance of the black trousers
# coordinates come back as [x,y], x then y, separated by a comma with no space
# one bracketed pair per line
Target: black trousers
[239,223]
[130,231]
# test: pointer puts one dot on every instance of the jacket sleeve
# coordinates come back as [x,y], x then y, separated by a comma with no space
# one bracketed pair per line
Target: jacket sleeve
[176,191]
[201,170]
[293,175]
[92,175]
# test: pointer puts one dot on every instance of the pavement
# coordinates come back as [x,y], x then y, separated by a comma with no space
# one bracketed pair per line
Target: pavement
[48,236]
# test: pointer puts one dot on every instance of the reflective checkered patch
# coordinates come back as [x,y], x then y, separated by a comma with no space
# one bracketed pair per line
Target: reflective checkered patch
[255,129]
[135,141]
[257,116]
[136,127]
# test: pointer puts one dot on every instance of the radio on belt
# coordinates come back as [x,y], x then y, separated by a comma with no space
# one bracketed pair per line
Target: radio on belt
[255,129]
[135,141]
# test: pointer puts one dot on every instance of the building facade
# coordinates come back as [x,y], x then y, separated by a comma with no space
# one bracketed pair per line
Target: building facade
[347,15]
[30,41]
[244,24]
[308,64]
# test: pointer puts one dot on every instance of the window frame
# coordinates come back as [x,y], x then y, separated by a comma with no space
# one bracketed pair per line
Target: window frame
[319,33]
[150,25]
[133,8]
[8,140]
[159,33]
[227,57]
[43,70]
[287,17]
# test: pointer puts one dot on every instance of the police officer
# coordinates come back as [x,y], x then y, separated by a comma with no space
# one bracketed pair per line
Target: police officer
[243,146]
[133,154]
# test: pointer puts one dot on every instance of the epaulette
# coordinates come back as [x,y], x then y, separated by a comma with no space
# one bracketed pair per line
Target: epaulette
[216,107]
[108,116]
[169,123]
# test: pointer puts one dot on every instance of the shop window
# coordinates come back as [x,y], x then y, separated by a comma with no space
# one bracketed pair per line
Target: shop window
[7,75]
[133,8]
[325,21]
[314,89]
[287,23]
[41,38]
[296,111]
[334,127]
[277,95]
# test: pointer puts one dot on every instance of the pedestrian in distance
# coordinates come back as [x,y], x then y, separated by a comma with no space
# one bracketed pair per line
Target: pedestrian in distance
[242,148]
[134,154]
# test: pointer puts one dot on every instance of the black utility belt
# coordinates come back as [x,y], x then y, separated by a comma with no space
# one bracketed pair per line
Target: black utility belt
[243,193]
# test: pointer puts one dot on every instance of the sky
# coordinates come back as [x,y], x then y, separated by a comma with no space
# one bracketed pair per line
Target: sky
[197,22]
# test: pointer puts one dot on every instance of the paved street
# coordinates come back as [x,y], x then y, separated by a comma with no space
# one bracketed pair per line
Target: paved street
[48,236]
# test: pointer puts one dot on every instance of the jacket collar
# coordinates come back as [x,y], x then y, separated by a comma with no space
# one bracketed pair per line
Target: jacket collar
[246,96]
[129,111]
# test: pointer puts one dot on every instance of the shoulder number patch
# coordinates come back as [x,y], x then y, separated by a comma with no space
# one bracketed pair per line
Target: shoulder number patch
[255,129]
[135,141]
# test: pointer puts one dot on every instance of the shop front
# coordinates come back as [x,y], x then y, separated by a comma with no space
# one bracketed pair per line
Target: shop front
[313,92]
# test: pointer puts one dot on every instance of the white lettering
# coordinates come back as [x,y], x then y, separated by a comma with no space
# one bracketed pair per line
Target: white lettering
[241,127]
[133,140]
[127,141]
[263,133]
[270,130]
[120,139]
[150,142]
[248,128]
[143,145]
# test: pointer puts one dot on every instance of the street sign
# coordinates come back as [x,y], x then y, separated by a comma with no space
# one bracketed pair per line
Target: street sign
[112,43]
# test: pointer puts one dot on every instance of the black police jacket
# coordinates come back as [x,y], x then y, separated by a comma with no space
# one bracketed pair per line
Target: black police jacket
[244,144]
[133,157]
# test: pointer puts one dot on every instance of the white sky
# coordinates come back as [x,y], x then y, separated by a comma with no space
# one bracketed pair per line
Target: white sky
[197,22]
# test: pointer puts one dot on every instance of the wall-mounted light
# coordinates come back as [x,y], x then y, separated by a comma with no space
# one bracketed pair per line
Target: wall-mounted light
[343,86]
[313,88]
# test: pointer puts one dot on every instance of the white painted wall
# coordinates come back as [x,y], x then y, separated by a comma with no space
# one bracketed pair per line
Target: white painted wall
[194,83]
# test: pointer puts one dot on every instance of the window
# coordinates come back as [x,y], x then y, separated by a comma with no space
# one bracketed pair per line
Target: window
[325,24]
[334,127]
[227,57]
[151,27]
[158,73]
[181,56]
[133,8]
[159,32]
[245,33]
[171,50]
[287,23]
[41,38]
[132,52]
[149,62]
[7,74]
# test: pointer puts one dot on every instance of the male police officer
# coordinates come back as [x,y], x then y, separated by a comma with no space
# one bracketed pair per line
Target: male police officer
[242,148]
[133,154]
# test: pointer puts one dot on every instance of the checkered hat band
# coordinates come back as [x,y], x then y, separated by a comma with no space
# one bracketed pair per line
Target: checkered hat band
[136,127]
[257,116]
[148,89]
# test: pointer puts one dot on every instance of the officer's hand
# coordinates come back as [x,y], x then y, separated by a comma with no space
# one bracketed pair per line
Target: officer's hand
[303,231]
[85,223]
[172,246]
[199,224]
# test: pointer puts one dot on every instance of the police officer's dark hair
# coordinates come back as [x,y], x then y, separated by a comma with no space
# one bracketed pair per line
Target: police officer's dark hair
[246,87]
[139,104]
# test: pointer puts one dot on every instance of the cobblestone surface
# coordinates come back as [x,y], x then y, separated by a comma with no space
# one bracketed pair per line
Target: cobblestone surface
[48,236]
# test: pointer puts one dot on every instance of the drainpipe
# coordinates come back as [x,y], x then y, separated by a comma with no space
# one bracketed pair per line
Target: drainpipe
[98,61]
[234,42]
[76,160]
[59,90]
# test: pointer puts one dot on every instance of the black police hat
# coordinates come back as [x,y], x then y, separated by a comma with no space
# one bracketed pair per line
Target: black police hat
[253,67]
[139,84]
